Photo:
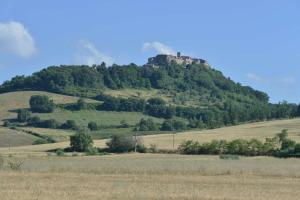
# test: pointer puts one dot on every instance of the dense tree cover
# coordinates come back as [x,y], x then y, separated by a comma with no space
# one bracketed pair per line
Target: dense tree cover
[174,77]
[280,146]
[41,104]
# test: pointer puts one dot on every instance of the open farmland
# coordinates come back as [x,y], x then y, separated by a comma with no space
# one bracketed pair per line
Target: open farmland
[147,176]
[259,130]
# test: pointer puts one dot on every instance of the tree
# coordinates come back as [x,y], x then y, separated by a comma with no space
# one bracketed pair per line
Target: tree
[122,143]
[81,142]
[93,126]
[156,101]
[81,104]
[69,124]
[23,115]
[41,104]
[146,125]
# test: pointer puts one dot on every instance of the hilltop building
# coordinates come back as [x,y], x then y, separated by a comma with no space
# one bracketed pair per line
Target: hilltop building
[163,59]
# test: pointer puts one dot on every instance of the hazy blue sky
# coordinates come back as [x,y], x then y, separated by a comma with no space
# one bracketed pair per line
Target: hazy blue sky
[256,43]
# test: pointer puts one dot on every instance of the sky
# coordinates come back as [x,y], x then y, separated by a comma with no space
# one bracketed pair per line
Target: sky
[254,42]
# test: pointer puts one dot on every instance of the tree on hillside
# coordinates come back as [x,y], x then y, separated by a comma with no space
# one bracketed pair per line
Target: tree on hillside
[23,115]
[41,104]
[93,126]
[81,104]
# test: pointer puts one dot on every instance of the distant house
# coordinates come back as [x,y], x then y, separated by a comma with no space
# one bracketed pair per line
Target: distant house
[163,59]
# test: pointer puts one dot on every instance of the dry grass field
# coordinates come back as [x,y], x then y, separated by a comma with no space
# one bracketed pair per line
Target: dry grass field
[148,176]
[260,130]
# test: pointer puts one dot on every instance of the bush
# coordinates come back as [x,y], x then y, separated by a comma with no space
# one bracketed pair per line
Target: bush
[41,104]
[81,104]
[60,152]
[156,101]
[124,124]
[15,165]
[69,124]
[121,144]
[93,126]
[34,121]
[40,141]
[81,142]
[50,123]
[171,125]
[1,162]
[229,157]
[23,115]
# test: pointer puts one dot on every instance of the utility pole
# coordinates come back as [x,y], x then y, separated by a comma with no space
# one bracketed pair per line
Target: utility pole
[173,140]
[135,145]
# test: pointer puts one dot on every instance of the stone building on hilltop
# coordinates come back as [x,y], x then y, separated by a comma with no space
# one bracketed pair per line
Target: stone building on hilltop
[163,59]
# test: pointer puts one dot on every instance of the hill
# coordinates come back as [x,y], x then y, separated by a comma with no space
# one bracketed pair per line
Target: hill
[193,91]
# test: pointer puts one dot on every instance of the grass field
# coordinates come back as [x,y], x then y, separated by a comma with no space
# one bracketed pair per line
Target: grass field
[147,176]
[104,118]
[16,100]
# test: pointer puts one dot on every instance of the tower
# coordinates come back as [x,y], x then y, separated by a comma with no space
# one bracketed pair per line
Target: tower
[178,54]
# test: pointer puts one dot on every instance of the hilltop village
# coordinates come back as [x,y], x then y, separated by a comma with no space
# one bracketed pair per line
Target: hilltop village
[163,59]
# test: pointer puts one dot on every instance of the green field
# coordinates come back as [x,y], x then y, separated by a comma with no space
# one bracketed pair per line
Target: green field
[104,118]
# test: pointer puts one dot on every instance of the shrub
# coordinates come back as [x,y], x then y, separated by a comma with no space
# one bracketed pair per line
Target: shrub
[70,124]
[15,165]
[93,126]
[41,104]
[297,148]
[156,101]
[124,124]
[189,147]
[81,142]
[167,126]
[81,104]
[60,152]
[34,121]
[40,141]
[6,123]
[1,162]
[50,123]
[229,157]
[23,115]
[171,125]
[92,151]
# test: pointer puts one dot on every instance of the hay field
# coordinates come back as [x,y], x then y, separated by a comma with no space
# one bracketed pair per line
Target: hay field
[260,130]
[147,176]
[12,138]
